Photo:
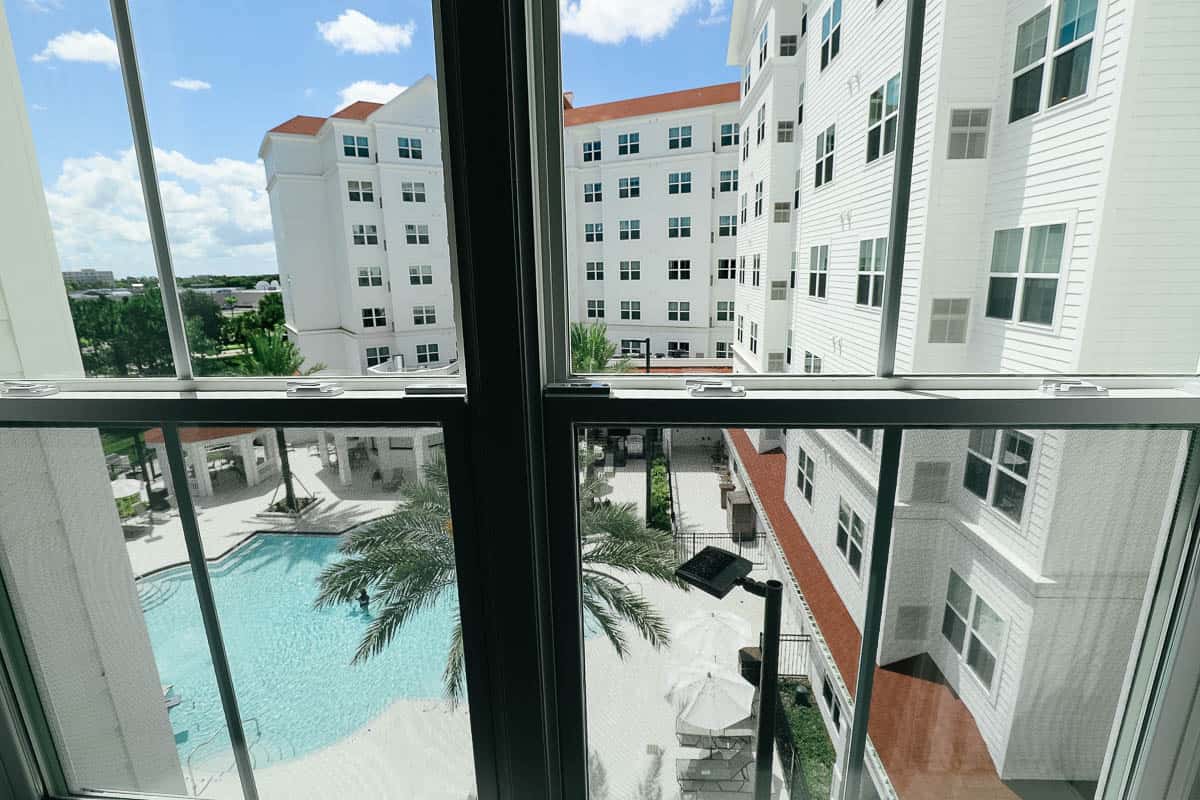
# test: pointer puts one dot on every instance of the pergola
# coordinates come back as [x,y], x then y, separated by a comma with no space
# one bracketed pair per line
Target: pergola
[198,442]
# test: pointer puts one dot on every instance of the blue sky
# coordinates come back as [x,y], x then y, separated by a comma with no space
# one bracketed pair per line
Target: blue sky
[217,75]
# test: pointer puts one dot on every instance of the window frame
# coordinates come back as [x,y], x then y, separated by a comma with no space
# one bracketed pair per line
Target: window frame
[831,33]
[888,115]
[1027,225]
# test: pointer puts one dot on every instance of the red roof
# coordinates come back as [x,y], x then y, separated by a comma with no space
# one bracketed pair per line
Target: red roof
[653,104]
[360,109]
[311,126]
[926,737]
[191,435]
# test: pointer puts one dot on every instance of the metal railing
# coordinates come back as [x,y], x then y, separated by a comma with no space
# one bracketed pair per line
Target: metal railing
[688,543]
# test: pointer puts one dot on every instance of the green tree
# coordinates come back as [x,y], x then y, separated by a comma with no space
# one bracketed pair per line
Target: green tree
[270,311]
[406,561]
[591,351]
[204,310]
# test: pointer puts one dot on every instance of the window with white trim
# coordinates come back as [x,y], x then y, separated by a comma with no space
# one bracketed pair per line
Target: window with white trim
[679,183]
[1025,280]
[1072,56]
[969,133]
[850,534]
[594,270]
[741,323]
[593,232]
[761,123]
[724,311]
[742,269]
[370,276]
[424,315]
[630,270]
[753,337]
[758,199]
[883,116]
[412,192]
[812,363]
[956,612]
[724,350]
[728,181]
[427,354]
[796,191]
[726,268]
[378,355]
[833,705]
[948,320]
[785,131]
[865,436]
[629,144]
[591,193]
[632,347]
[792,270]
[374,317]
[983,648]
[591,151]
[823,172]
[416,234]
[789,44]
[360,191]
[420,275]
[679,269]
[408,147]
[631,309]
[997,468]
[756,270]
[679,137]
[763,42]
[679,227]
[595,309]
[364,234]
[729,134]
[628,229]
[1029,64]
[806,474]
[679,311]
[744,202]
[746,79]
[787,347]
[818,270]
[872,255]
[727,225]
[775,362]
[831,33]
[355,147]
[679,349]
[629,187]
[779,290]
[783,212]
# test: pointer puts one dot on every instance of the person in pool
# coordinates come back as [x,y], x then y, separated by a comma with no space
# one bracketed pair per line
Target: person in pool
[364,600]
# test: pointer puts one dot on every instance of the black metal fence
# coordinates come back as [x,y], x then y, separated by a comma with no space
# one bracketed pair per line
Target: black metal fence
[793,655]
[688,543]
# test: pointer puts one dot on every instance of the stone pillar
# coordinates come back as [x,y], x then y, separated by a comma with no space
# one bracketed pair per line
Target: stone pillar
[270,447]
[343,458]
[249,459]
[323,449]
[196,453]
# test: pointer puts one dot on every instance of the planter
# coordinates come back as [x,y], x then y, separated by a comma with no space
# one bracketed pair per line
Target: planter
[305,509]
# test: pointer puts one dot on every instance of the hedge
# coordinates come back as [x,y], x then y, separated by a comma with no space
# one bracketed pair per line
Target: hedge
[660,495]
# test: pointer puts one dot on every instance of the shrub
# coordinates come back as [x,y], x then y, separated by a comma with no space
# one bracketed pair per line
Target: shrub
[804,738]
[660,495]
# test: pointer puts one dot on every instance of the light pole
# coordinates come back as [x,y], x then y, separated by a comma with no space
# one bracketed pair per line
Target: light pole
[647,341]
[715,572]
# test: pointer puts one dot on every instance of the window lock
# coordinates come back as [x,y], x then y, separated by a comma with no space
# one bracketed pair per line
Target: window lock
[313,389]
[26,389]
[707,387]
[1072,388]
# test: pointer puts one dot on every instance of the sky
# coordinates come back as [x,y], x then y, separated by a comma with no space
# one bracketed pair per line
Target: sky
[217,75]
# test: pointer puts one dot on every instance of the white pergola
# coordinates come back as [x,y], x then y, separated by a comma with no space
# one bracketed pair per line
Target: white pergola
[198,442]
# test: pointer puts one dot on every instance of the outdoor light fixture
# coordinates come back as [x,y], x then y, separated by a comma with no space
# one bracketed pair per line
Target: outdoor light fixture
[715,571]
[647,341]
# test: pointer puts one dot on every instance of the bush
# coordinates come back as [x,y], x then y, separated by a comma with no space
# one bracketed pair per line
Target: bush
[128,506]
[660,495]
[803,737]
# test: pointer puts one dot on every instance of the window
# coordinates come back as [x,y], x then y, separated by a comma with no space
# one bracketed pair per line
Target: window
[593,231]
[594,270]
[727,225]
[424,315]
[1072,49]
[969,132]
[812,363]
[763,41]
[753,337]
[792,270]
[629,229]
[725,269]
[762,124]
[743,208]
[408,147]
[818,270]
[849,540]
[595,309]
[412,192]
[631,309]
[741,269]
[421,275]
[831,702]
[1029,283]
[800,105]
[427,354]
[378,355]
[823,173]
[831,33]
[374,318]
[591,193]
[948,320]
[986,631]
[370,276]
[741,322]
[364,234]
[871,266]
[786,131]
[679,137]
[628,143]
[360,191]
[679,349]
[774,362]
[1028,66]
[724,311]
[745,150]
[678,227]
[632,347]
[679,269]
[729,134]
[629,187]
[806,473]
[355,147]
[746,79]
[783,212]
[679,311]
[796,191]
[728,180]
[758,199]
[958,608]
[756,272]
[416,234]
[724,350]
[789,44]
[779,290]
[787,349]
[865,436]
[679,183]
[883,117]
[631,270]
[591,151]
[997,467]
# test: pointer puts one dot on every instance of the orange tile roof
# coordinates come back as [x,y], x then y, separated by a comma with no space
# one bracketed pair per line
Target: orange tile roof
[653,104]
[360,109]
[191,435]
[310,126]
[926,737]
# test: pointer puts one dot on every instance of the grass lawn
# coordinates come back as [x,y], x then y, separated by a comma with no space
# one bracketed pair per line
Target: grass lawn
[809,742]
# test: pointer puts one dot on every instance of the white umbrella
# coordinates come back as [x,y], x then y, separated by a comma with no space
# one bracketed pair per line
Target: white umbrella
[710,634]
[711,698]
[124,487]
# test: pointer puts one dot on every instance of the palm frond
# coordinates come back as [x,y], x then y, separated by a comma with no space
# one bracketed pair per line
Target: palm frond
[454,674]
[631,555]
[629,606]
[608,622]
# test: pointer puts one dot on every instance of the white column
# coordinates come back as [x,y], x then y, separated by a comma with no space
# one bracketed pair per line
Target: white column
[249,459]
[271,447]
[323,449]
[196,453]
[421,452]
[343,458]
[160,455]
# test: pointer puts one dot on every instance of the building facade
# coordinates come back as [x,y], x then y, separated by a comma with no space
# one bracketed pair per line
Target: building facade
[88,277]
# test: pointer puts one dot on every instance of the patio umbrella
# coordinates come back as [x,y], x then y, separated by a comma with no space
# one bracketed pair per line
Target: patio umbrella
[711,698]
[711,634]
[126,487]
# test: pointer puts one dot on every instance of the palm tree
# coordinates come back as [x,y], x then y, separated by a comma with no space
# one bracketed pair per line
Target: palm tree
[406,560]
[591,351]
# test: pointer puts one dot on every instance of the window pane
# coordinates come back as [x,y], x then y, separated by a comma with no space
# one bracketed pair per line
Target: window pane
[1071,73]
[953,628]
[1002,294]
[1026,94]
[958,595]
[977,475]
[1037,302]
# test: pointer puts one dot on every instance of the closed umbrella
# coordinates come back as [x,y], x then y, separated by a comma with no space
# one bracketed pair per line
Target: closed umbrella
[710,634]
[711,698]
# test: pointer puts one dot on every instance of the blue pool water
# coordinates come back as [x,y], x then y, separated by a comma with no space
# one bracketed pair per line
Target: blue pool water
[291,666]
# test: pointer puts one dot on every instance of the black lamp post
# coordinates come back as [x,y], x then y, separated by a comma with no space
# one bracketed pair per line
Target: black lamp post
[715,572]
[647,341]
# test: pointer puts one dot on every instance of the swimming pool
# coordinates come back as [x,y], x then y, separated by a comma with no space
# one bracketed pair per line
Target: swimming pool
[296,687]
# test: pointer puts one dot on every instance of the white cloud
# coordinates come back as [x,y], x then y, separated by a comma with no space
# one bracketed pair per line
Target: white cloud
[218,215]
[191,84]
[93,47]
[38,107]
[614,21]
[355,32]
[43,6]
[716,13]
[373,91]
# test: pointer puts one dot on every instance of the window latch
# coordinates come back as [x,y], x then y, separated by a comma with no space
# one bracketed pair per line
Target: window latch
[708,387]
[1072,388]
[313,389]
[27,389]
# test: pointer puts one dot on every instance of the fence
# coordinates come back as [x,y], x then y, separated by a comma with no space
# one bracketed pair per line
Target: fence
[688,543]
[793,655]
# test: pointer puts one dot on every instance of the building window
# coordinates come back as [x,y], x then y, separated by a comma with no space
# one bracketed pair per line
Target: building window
[679,269]
[728,180]
[1029,283]
[629,187]
[741,322]
[360,191]
[787,348]
[427,354]
[741,269]
[679,311]
[725,269]
[865,436]
[986,632]
[631,347]
[729,134]
[758,199]
[679,183]
[412,192]
[956,612]
[789,44]
[1028,66]
[883,117]
[831,33]
[594,270]
[745,150]
[753,337]
[724,350]
[631,270]
[631,309]
[800,106]
[796,191]
[370,276]
[595,309]
[763,40]
[818,270]
[746,80]
[416,234]
[783,212]
[756,272]
[831,703]
[871,265]
[774,362]
[724,311]
[998,468]
[779,290]
[355,147]
[679,349]
[969,132]
[678,227]
[593,232]
[424,315]
[629,229]
[727,225]
[378,355]
[591,193]
[408,148]
[849,540]
[679,138]
[421,275]
[786,131]
[948,320]
[743,208]
[806,473]
[812,363]
[1072,49]
[823,173]
[792,270]
[591,151]
[628,143]
[364,234]
[374,318]
[762,124]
